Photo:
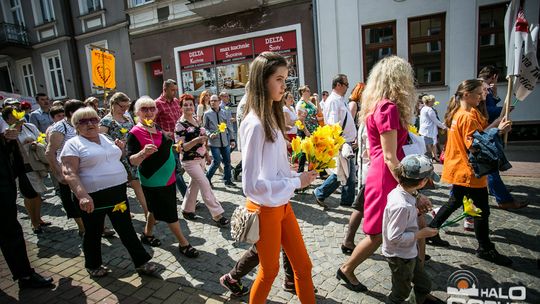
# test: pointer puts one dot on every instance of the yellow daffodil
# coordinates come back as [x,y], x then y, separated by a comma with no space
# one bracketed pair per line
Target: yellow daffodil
[295,145]
[222,127]
[148,122]
[41,138]
[322,147]
[413,129]
[299,125]
[469,208]
[120,207]
[123,130]
[178,147]
[18,115]
[436,103]
[303,105]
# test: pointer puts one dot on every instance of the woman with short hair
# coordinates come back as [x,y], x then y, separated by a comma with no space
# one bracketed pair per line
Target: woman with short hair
[429,124]
[192,139]
[91,166]
[151,150]
[116,125]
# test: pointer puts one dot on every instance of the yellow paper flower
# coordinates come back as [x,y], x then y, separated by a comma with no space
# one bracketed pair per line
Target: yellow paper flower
[41,138]
[303,105]
[120,207]
[469,208]
[123,130]
[295,145]
[299,124]
[148,122]
[436,103]
[413,129]
[222,127]
[18,115]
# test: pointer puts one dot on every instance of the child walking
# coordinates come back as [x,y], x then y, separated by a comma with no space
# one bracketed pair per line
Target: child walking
[401,234]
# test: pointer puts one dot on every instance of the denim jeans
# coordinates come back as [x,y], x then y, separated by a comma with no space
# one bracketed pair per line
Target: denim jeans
[331,184]
[498,189]
[220,154]
[180,183]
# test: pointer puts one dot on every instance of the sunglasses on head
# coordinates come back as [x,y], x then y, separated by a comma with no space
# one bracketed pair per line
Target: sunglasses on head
[148,109]
[88,121]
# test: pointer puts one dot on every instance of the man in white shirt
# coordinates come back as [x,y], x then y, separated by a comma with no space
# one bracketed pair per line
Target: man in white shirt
[337,112]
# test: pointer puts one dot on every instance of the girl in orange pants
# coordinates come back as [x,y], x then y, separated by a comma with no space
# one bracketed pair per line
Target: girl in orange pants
[268,182]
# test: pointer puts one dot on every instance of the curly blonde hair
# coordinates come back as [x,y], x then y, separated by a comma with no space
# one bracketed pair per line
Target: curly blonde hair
[391,78]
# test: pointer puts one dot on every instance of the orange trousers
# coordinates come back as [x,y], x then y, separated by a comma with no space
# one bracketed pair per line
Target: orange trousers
[278,228]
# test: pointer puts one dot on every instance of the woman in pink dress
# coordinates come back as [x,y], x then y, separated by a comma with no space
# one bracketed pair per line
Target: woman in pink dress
[387,106]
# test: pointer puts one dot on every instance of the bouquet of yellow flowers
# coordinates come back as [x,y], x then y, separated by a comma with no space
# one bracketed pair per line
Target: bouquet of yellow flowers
[320,148]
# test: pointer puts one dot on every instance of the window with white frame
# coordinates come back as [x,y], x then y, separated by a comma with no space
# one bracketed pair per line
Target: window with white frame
[27,74]
[16,13]
[54,74]
[88,6]
[47,10]
[140,2]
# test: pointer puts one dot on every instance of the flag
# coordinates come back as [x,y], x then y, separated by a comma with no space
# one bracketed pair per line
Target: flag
[521,58]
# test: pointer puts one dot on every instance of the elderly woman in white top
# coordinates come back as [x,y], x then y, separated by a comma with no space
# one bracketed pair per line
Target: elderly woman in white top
[429,124]
[91,165]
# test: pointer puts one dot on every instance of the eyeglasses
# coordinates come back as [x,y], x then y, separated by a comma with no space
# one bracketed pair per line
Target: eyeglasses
[345,84]
[148,109]
[122,105]
[88,121]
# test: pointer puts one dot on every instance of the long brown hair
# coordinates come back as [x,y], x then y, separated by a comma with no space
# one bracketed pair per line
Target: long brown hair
[270,112]
[454,104]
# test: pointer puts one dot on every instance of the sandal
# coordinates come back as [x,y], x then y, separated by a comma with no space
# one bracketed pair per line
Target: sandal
[346,250]
[222,222]
[44,224]
[188,251]
[99,272]
[189,215]
[147,269]
[150,240]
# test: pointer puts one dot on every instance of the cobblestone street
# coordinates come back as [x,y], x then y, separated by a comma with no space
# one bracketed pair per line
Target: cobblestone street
[57,253]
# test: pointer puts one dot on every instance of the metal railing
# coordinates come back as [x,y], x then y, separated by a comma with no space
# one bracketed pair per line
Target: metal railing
[13,33]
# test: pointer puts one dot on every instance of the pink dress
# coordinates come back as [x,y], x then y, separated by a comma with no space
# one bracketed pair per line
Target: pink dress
[379,180]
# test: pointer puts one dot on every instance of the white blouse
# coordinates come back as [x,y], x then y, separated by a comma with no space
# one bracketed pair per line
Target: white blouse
[99,164]
[429,123]
[267,178]
[292,117]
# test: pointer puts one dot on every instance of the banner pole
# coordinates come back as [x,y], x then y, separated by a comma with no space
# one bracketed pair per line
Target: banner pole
[507,100]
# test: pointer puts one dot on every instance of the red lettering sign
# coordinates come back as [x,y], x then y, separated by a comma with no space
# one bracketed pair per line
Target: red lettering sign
[157,69]
[283,43]
[234,51]
[197,58]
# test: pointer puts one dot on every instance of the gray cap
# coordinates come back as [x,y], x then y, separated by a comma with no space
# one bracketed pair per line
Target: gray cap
[416,166]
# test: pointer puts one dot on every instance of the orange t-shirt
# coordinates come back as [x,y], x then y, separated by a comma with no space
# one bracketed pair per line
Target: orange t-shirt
[456,169]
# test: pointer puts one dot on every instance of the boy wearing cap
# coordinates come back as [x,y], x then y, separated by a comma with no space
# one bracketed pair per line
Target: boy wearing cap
[401,234]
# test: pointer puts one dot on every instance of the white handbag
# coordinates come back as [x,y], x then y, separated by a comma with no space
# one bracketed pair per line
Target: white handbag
[245,225]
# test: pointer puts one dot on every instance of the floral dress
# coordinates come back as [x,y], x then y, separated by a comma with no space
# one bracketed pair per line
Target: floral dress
[119,130]
[186,132]
[311,122]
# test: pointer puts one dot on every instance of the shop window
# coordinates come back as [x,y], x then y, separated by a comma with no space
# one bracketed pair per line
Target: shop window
[491,48]
[426,49]
[379,41]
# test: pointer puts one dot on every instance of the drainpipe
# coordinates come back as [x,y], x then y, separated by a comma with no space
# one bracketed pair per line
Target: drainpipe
[316,34]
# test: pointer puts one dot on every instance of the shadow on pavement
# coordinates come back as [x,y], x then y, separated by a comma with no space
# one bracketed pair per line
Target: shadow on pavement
[65,290]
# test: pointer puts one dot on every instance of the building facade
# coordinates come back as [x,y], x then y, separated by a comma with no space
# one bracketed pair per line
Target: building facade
[44,46]
[446,42]
[208,45]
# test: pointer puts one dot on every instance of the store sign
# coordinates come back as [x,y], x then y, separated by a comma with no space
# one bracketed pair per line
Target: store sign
[234,51]
[157,69]
[283,43]
[197,58]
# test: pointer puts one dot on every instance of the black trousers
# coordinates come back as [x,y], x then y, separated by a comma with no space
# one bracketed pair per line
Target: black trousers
[71,207]
[481,224]
[121,221]
[250,260]
[11,236]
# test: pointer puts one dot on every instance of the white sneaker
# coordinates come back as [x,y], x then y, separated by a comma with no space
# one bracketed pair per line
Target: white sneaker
[468,224]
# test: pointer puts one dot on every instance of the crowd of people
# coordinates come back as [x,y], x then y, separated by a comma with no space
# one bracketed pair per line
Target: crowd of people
[92,156]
